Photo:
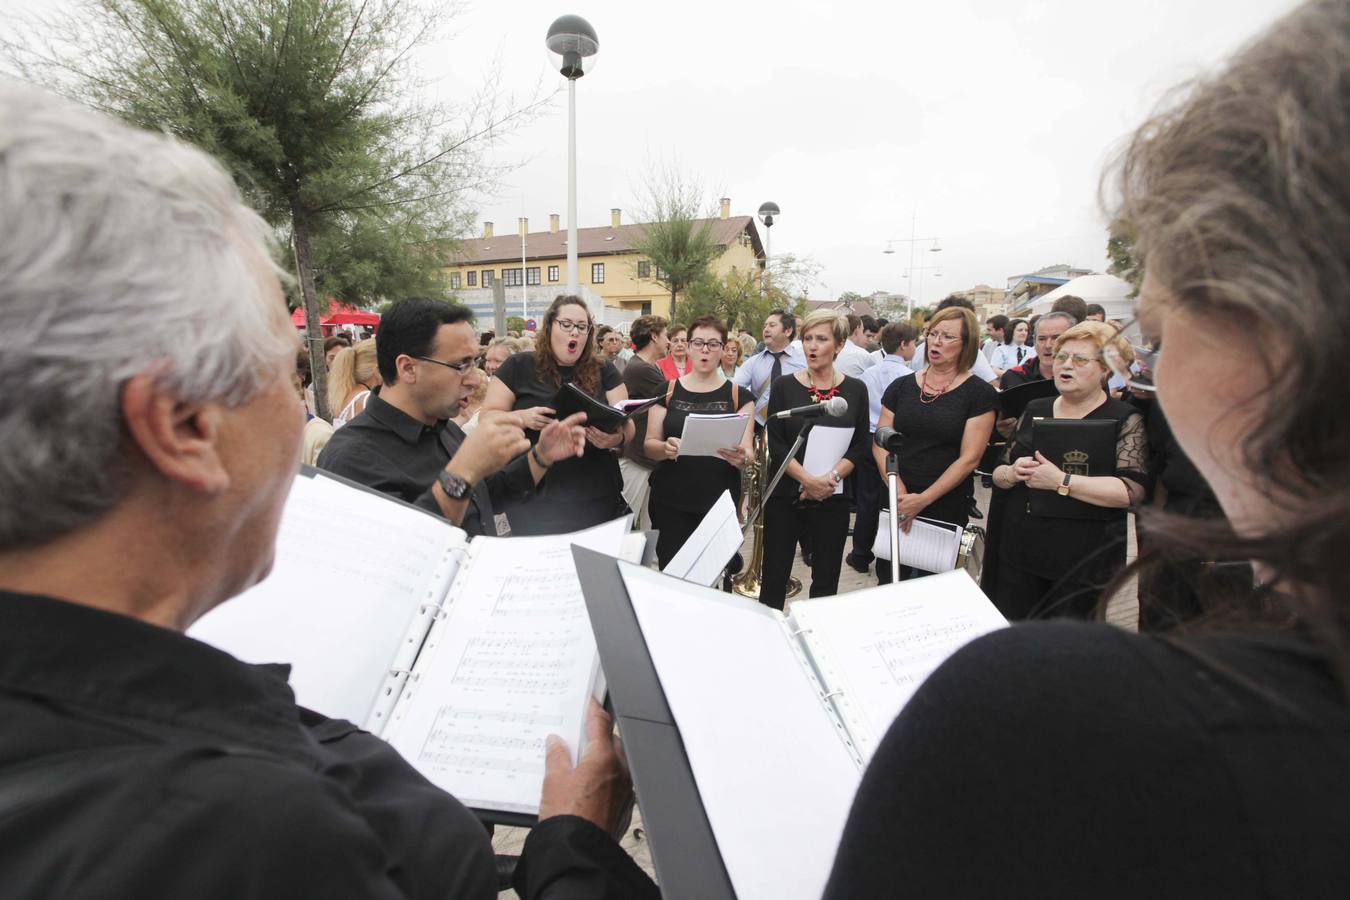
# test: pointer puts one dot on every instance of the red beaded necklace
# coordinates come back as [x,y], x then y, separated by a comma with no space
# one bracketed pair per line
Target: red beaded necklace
[820,396]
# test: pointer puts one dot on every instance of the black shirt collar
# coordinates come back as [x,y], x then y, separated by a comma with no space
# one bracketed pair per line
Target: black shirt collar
[106,663]
[396,420]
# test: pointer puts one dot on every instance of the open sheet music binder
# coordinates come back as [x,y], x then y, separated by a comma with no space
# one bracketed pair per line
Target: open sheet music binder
[464,655]
[747,754]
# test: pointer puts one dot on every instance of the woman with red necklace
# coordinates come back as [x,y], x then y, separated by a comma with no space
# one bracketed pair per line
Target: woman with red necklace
[946,417]
[804,503]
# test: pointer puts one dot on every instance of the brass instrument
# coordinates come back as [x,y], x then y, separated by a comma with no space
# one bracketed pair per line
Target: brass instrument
[757,471]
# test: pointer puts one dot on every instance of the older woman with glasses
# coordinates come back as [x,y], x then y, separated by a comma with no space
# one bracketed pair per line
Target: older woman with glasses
[1050,566]
[946,415]
[581,491]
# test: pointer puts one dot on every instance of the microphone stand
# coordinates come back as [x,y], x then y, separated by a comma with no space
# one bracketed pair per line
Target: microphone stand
[893,480]
[777,477]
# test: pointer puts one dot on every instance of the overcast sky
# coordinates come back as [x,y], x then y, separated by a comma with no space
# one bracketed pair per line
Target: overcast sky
[989,120]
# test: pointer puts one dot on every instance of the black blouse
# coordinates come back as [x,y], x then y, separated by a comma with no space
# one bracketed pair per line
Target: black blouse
[789,393]
[932,438]
[694,483]
[575,493]
[1048,546]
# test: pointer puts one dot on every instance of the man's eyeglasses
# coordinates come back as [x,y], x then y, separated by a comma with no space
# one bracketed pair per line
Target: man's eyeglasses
[574,327]
[701,344]
[458,367]
[1137,377]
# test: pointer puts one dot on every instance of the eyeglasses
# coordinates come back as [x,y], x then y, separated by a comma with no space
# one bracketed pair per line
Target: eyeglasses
[701,344]
[458,367]
[943,337]
[574,327]
[1137,377]
[1078,359]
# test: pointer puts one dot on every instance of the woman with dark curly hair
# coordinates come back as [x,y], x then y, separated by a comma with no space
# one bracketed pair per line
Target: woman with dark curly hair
[1073,759]
[581,491]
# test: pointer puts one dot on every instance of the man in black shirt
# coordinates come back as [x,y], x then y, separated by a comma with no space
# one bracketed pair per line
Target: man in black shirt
[404,444]
[143,485]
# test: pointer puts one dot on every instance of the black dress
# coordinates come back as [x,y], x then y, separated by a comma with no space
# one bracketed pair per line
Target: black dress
[683,490]
[785,516]
[575,493]
[1069,760]
[932,442]
[1057,567]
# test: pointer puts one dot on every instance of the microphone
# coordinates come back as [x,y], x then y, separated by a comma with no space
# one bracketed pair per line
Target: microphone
[888,439]
[836,407]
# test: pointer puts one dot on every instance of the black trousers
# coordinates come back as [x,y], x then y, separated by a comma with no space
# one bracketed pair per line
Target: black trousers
[1022,594]
[869,488]
[673,526]
[824,524]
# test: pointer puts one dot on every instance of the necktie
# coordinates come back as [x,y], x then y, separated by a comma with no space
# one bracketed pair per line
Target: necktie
[777,371]
[1020,351]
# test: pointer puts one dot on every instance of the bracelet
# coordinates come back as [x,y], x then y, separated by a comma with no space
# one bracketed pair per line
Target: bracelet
[534,455]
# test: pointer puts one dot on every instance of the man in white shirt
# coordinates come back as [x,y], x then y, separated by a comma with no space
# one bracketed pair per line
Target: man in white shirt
[853,358]
[897,345]
[779,357]
[994,330]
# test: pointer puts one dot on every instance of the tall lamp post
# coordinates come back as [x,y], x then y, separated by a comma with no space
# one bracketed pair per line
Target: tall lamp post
[767,212]
[572,46]
[913,240]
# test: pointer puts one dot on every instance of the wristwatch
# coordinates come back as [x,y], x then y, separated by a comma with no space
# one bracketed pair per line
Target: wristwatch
[834,473]
[1063,489]
[455,488]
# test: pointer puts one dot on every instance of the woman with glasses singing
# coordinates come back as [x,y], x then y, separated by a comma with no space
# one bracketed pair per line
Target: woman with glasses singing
[946,415]
[683,489]
[582,491]
[1052,566]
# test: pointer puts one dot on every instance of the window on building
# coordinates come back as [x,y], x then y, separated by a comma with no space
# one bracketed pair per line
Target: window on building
[532,275]
[660,274]
[552,274]
[511,277]
[644,269]
[597,273]
[472,279]
[454,281]
[487,278]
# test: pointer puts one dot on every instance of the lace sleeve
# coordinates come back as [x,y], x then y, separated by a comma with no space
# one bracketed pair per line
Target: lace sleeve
[1019,444]
[1132,456]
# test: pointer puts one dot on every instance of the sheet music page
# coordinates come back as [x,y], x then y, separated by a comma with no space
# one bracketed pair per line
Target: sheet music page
[932,548]
[706,553]
[705,434]
[879,645]
[774,776]
[825,446]
[513,662]
[351,570]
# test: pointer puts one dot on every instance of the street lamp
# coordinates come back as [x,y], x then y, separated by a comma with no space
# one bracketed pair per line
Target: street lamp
[766,213]
[912,240]
[572,46]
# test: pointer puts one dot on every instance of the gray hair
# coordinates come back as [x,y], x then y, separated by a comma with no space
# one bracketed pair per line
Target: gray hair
[121,252]
[1067,317]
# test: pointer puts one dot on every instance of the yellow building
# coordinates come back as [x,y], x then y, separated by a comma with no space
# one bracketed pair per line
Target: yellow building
[608,266]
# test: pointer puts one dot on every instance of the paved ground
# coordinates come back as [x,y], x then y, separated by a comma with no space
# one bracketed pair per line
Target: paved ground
[1123,610]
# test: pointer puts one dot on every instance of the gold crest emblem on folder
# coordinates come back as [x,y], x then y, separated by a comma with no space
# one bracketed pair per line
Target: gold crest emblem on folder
[1075,463]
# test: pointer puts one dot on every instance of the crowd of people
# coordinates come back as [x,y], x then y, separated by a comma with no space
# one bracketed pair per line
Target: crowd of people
[946,385]
[145,471]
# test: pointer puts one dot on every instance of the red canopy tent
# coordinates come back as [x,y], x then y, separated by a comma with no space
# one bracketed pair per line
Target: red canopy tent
[338,314]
